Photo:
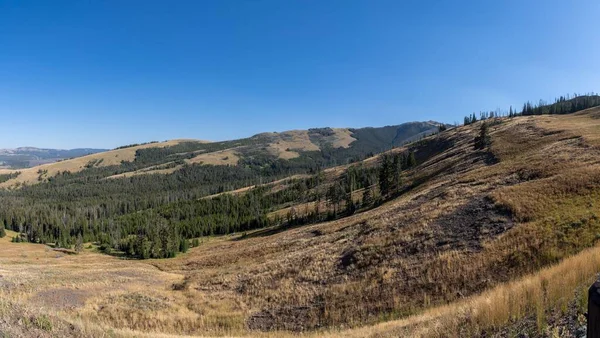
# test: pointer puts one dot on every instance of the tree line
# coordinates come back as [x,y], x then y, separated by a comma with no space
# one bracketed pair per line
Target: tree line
[562,105]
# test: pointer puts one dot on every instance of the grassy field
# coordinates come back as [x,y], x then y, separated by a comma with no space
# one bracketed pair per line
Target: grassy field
[481,243]
[112,157]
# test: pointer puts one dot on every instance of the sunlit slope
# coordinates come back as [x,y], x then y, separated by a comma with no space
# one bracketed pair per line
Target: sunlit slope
[436,261]
[471,219]
[113,157]
[342,144]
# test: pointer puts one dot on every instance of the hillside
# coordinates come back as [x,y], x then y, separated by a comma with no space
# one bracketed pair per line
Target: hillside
[25,157]
[470,221]
[466,221]
[42,172]
[299,150]
[472,241]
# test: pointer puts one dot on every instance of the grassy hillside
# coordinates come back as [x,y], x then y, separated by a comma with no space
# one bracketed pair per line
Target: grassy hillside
[471,220]
[26,157]
[458,252]
[485,231]
[315,147]
[149,190]
[41,173]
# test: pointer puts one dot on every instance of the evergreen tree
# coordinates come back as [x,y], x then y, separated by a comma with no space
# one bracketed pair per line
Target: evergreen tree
[367,197]
[411,161]
[184,245]
[385,175]
[397,173]
[483,140]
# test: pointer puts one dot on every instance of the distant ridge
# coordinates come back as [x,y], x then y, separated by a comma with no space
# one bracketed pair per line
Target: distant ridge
[26,157]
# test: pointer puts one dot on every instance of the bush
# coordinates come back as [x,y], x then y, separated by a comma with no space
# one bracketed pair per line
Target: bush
[43,323]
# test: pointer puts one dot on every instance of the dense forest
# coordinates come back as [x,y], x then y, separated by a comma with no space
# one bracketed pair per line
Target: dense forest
[158,215]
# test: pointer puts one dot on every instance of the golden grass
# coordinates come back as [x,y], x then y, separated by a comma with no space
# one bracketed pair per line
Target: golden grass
[111,157]
[412,267]
[287,144]
[222,157]
[147,171]
[386,281]
[342,138]
[554,287]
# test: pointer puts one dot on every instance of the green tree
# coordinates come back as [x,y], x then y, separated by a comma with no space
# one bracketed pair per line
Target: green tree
[397,172]
[483,140]
[385,175]
[184,245]
[411,161]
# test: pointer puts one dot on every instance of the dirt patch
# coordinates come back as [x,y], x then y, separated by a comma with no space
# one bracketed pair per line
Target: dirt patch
[61,299]
[292,318]
[470,225]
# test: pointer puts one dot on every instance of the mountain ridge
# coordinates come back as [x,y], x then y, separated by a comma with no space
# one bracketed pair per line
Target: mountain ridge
[327,146]
[24,157]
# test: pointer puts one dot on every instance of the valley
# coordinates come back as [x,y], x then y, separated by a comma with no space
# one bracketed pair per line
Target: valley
[487,229]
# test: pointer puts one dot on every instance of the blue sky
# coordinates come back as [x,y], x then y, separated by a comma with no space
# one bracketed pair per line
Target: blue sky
[108,73]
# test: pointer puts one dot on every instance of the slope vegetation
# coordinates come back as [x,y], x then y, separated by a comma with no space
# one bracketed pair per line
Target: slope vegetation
[325,146]
[478,241]
[471,220]
[40,173]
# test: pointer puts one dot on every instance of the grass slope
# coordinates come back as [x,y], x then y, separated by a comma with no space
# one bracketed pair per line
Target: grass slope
[108,158]
[481,242]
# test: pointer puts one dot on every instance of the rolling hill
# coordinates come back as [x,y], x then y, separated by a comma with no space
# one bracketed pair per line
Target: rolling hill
[488,229]
[319,146]
[25,157]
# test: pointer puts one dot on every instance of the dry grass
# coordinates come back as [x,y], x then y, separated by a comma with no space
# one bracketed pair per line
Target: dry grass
[396,253]
[149,171]
[112,157]
[275,185]
[223,157]
[287,144]
[470,233]
[554,287]
[342,138]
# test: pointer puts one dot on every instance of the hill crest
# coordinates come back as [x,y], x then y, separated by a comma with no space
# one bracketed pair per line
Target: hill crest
[293,145]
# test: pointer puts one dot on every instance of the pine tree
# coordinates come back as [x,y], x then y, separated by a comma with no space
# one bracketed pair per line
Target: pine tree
[397,172]
[2,231]
[483,140]
[411,161]
[367,197]
[184,245]
[385,175]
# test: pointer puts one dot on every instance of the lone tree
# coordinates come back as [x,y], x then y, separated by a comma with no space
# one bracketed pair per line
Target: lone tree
[483,140]
[385,175]
[410,161]
[79,243]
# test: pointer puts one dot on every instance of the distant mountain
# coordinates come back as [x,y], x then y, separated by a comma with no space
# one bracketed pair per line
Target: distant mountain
[26,157]
[268,155]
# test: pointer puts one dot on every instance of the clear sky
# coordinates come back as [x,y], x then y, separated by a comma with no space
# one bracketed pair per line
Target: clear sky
[108,73]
